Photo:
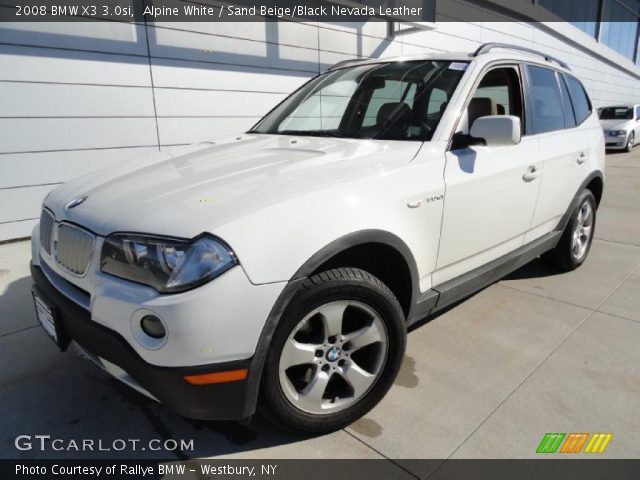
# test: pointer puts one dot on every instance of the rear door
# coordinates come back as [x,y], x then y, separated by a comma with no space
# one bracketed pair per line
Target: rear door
[558,107]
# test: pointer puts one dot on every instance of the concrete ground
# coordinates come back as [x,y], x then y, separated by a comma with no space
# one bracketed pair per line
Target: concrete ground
[537,352]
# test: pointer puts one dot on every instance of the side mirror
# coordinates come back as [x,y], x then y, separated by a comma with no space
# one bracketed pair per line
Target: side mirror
[497,130]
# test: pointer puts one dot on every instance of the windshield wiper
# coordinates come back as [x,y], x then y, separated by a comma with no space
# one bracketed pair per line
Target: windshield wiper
[312,133]
[334,133]
[308,133]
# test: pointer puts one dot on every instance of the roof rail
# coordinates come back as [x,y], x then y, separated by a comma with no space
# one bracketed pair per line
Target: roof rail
[487,47]
[346,62]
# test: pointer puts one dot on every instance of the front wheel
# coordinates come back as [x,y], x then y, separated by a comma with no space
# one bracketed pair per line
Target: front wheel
[335,354]
[631,142]
[575,243]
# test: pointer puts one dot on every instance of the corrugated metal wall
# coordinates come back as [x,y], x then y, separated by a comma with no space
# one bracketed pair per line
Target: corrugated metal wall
[75,97]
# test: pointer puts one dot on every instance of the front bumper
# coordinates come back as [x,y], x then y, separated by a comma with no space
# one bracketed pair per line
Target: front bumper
[613,143]
[223,401]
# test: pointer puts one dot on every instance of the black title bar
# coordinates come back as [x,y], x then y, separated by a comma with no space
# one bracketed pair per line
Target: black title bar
[547,469]
[407,11]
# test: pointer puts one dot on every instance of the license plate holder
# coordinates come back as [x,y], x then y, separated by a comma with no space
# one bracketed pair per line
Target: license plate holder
[48,318]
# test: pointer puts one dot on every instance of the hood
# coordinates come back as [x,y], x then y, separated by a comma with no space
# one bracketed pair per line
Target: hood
[187,192]
[616,124]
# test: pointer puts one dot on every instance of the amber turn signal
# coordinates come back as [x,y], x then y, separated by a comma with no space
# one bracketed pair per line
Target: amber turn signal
[218,377]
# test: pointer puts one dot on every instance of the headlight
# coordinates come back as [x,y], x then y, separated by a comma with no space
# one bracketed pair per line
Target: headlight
[167,265]
[618,133]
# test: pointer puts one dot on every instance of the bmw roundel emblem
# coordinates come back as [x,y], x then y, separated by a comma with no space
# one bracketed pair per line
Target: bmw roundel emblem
[333,354]
[75,202]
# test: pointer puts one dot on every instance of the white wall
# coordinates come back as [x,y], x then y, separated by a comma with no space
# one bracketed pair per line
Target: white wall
[77,97]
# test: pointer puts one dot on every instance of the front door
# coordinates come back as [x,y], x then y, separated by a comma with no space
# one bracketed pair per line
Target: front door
[491,191]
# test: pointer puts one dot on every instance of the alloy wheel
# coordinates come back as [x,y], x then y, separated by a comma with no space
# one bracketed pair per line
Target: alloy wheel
[583,231]
[333,357]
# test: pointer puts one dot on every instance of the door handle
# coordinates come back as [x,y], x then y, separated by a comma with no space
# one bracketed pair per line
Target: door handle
[582,158]
[531,174]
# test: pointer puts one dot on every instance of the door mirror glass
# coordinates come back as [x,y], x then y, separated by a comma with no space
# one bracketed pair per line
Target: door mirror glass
[497,130]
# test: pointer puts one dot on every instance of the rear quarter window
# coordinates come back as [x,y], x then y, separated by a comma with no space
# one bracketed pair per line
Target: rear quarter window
[567,106]
[581,103]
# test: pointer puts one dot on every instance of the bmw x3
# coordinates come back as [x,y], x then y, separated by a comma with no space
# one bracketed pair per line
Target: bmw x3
[281,268]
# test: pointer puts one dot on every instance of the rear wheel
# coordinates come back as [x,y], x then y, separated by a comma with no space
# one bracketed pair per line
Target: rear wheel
[574,246]
[335,354]
[631,142]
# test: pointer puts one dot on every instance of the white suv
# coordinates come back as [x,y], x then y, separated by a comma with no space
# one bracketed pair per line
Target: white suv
[281,268]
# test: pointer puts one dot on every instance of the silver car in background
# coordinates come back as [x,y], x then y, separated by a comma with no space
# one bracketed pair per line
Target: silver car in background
[621,125]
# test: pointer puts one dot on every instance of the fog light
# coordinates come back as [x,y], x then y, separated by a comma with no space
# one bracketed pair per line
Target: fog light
[152,326]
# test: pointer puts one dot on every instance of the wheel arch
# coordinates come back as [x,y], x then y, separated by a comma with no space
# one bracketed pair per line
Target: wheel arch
[378,252]
[317,262]
[595,183]
[596,186]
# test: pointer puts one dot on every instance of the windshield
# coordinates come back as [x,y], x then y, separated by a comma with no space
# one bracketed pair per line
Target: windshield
[616,113]
[387,101]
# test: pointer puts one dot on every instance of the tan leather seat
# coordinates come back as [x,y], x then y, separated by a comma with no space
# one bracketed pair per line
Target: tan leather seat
[481,107]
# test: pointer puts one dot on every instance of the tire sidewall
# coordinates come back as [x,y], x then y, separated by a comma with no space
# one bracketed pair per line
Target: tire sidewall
[585,196]
[380,300]
[630,142]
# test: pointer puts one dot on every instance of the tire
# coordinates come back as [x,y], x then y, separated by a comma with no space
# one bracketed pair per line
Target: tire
[575,243]
[630,143]
[339,377]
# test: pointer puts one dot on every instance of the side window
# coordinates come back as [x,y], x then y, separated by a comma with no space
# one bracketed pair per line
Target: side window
[567,107]
[579,99]
[499,93]
[394,91]
[638,113]
[546,108]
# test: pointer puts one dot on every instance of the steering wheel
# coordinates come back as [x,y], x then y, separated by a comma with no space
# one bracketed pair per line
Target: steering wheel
[424,127]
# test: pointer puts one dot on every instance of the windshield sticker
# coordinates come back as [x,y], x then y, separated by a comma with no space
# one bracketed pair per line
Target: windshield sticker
[458,66]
